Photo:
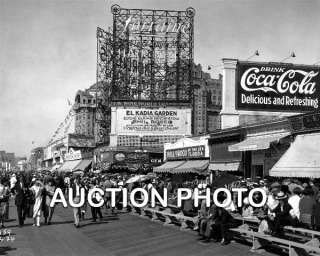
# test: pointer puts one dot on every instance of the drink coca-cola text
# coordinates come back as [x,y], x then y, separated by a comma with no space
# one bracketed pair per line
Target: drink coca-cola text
[291,81]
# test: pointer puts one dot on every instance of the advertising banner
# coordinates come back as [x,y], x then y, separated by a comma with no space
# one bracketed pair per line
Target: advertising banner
[277,87]
[186,153]
[162,121]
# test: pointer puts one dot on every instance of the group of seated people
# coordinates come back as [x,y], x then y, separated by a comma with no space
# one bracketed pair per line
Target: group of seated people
[288,204]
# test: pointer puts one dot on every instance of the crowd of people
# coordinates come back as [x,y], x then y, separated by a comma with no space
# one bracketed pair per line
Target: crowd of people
[289,202]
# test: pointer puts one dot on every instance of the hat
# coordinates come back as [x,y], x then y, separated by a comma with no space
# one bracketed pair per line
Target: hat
[297,190]
[255,185]
[275,185]
[281,195]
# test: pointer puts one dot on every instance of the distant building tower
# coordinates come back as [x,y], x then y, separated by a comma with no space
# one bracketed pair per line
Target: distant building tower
[84,108]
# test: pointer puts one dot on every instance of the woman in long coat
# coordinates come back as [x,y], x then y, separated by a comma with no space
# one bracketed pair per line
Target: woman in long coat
[37,189]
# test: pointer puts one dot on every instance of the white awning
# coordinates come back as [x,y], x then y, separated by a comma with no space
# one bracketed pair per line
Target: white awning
[258,142]
[302,159]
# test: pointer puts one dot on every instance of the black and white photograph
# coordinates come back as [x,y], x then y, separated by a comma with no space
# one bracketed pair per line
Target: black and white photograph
[159,127]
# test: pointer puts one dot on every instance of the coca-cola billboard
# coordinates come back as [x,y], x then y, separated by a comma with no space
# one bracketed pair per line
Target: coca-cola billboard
[277,87]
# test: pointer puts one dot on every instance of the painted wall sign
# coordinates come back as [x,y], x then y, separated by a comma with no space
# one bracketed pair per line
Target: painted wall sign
[277,87]
[186,153]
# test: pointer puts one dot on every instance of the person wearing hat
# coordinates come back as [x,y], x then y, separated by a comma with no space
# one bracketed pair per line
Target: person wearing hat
[282,214]
[19,189]
[37,190]
[49,190]
[272,202]
[96,198]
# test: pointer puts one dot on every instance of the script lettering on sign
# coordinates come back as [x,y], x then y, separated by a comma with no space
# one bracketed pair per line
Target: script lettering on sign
[278,87]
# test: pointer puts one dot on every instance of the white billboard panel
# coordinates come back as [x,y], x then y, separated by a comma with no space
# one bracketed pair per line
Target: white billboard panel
[161,121]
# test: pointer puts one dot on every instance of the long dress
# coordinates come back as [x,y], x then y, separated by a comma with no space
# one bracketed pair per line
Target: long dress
[38,200]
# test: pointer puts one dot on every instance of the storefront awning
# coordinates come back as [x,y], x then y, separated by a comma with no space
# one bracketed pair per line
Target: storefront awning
[83,165]
[69,166]
[227,166]
[168,166]
[192,166]
[258,142]
[302,159]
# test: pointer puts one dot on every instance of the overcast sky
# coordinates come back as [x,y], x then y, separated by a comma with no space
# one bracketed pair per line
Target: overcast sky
[48,50]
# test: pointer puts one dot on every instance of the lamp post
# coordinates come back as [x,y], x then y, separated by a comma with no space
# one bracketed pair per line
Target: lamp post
[292,55]
[256,53]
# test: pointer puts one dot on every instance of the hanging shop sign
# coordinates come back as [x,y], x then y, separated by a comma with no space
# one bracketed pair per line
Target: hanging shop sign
[277,87]
[73,155]
[186,153]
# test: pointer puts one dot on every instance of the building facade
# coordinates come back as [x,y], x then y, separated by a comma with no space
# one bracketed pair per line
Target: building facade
[7,160]
[207,97]
[85,110]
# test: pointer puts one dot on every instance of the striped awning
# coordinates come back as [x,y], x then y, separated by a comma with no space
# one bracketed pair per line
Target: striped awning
[83,165]
[192,166]
[69,166]
[168,167]
[225,166]
[302,159]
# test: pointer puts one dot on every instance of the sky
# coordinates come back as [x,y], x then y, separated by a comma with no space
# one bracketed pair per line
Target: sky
[48,50]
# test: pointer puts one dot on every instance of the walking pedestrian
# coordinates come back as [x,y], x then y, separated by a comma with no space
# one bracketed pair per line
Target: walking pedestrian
[37,189]
[49,192]
[19,190]
[76,186]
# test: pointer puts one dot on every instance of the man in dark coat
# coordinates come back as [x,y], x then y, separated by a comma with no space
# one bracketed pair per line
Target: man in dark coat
[19,191]
[282,215]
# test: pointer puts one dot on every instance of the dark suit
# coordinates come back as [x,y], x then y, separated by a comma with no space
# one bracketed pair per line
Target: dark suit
[19,191]
[282,218]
